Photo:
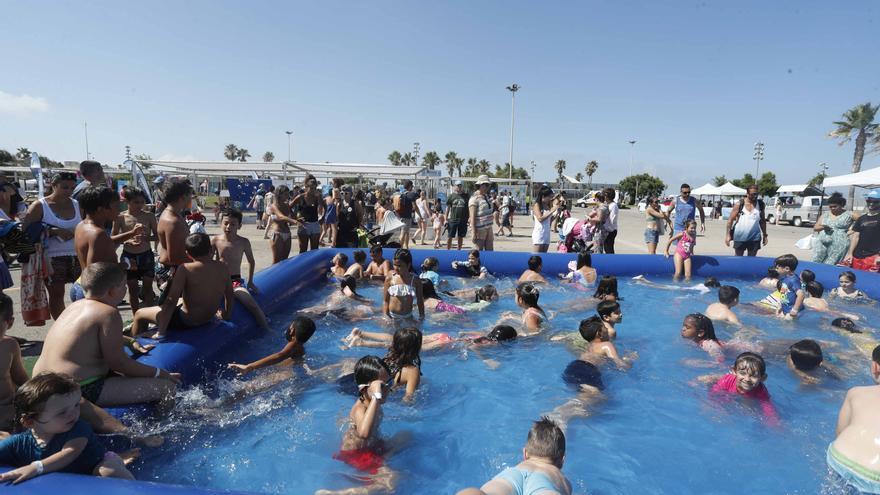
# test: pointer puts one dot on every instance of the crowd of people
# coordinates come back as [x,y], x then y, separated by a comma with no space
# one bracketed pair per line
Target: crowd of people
[48,420]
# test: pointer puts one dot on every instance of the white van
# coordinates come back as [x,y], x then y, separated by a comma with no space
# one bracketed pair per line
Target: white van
[796,204]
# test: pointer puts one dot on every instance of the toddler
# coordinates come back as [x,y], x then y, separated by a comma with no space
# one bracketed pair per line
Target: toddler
[429,270]
[687,239]
[438,220]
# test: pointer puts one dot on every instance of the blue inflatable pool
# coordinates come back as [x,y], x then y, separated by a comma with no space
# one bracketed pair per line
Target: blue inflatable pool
[193,353]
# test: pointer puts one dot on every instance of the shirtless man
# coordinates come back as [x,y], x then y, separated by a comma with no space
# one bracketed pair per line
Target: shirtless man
[142,262]
[172,233]
[854,452]
[728,297]
[12,372]
[86,343]
[93,244]
[379,267]
[201,283]
[229,247]
[533,274]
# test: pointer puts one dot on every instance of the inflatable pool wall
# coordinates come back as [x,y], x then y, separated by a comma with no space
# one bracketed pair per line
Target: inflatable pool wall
[195,353]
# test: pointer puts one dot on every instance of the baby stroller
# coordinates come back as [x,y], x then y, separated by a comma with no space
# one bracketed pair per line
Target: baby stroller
[381,235]
[575,236]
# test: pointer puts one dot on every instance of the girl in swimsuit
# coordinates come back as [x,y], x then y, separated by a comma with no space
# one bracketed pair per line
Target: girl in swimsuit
[533,316]
[684,249]
[847,289]
[282,219]
[361,446]
[699,328]
[433,301]
[581,273]
[402,288]
[311,208]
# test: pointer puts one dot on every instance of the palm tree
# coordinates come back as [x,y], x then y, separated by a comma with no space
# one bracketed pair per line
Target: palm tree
[858,120]
[431,160]
[450,168]
[560,167]
[591,168]
[578,176]
[483,166]
[471,168]
[23,155]
[458,163]
[243,154]
[394,157]
[231,152]
[6,157]
[268,157]
[452,163]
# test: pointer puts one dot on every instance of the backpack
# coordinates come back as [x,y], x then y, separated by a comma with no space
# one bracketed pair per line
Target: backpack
[397,203]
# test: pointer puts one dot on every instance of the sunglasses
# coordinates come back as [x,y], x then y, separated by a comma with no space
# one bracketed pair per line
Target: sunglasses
[685,192]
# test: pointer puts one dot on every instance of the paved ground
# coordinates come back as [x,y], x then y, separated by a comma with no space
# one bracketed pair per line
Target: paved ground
[629,241]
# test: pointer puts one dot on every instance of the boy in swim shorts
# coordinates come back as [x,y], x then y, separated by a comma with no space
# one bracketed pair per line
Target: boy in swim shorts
[728,297]
[854,451]
[230,248]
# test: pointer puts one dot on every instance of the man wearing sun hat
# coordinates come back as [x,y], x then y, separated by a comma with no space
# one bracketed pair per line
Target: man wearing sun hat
[864,244]
[481,215]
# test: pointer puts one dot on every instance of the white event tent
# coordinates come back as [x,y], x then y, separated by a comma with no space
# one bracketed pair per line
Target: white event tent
[866,178]
[728,189]
[706,189]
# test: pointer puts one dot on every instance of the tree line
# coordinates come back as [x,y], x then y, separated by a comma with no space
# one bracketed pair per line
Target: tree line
[234,153]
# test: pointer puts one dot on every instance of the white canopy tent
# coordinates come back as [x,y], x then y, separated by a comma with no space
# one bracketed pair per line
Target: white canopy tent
[866,178]
[728,189]
[793,189]
[571,179]
[706,189]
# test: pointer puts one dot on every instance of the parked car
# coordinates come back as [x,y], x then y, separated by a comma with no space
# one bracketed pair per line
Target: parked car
[795,210]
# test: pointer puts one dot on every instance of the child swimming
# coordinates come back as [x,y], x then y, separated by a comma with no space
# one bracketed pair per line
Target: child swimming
[728,297]
[581,273]
[297,334]
[357,268]
[699,328]
[533,272]
[338,267]
[815,302]
[847,288]
[686,239]
[703,288]
[533,316]
[601,346]
[472,266]
[746,379]
[607,289]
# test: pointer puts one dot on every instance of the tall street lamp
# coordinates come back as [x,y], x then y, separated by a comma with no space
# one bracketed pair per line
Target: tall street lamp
[758,156]
[513,89]
[632,147]
[289,133]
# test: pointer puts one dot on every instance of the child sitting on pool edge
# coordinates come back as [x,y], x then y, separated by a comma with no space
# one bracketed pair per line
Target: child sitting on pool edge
[56,438]
[297,334]
[728,297]
[854,451]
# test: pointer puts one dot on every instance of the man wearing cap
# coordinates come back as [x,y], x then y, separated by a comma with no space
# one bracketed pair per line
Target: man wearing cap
[456,215]
[93,173]
[864,245]
[481,215]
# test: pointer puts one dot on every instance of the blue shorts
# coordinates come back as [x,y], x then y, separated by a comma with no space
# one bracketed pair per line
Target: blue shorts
[652,236]
[457,229]
[851,473]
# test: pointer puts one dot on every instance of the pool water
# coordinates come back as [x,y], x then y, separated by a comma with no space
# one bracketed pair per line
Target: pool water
[657,432]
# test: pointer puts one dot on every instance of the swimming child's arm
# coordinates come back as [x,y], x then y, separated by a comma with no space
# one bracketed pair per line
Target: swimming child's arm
[55,462]
[709,379]
[410,375]
[272,359]
[609,350]
[386,297]
[845,416]
[798,303]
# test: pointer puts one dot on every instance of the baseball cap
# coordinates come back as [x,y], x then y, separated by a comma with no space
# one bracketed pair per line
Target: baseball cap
[484,179]
[873,195]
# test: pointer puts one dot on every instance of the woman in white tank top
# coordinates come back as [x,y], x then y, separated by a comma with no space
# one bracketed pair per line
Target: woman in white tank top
[544,211]
[61,215]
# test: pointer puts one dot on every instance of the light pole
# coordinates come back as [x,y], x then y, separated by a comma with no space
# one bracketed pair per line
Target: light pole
[632,147]
[531,181]
[758,156]
[513,89]
[416,146]
[86,129]
[127,152]
[289,133]
[824,167]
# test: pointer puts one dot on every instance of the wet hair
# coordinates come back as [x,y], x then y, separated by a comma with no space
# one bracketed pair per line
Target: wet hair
[236,214]
[592,328]
[875,356]
[704,324]
[772,273]
[404,256]
[89,167]
[605,308]
[428,289]
[198,245]
[374,250]
[133,192]
[607,286]
[499,333]
[815,289]
[367,370]
[751,361]
[98,278]
[475,253]
[789,261]
[30,398]
[727,294]
[176,190]
[359,256]
[405,347]
[6,307]
[712,282]
[350,282]
[837,199]
[342,257]
[807,276]
[546,440]
[486,293]
[584,259]
[845,324]
[94,197]
[805,354]
[535,263]
[430,264]
[301,328]
[848,275]
[528,293]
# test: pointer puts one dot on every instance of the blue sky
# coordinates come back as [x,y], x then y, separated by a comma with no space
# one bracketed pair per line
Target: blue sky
[695,83]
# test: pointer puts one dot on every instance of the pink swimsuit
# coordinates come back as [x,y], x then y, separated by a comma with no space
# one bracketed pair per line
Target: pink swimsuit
[727,385]
[685,247]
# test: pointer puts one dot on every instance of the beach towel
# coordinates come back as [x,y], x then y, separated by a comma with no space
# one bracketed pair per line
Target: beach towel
[34,298]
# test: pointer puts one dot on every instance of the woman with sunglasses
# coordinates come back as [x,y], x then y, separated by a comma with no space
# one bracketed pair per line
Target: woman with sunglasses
[61,215]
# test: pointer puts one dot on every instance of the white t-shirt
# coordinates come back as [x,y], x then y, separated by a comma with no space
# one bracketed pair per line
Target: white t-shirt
[611,222]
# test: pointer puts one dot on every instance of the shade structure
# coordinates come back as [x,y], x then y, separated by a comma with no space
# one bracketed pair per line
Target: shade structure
[793,189]
[571,179]
[706,189]
[866,178]
[234,169]
[728,189]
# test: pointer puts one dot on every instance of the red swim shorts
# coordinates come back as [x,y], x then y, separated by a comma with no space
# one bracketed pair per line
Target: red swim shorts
[866,264]
[365,460]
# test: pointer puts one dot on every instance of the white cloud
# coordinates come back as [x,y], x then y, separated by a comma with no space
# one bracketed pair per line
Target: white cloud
[22,104]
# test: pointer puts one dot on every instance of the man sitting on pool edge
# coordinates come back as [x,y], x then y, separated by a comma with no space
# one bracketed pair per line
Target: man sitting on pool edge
[853,453]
